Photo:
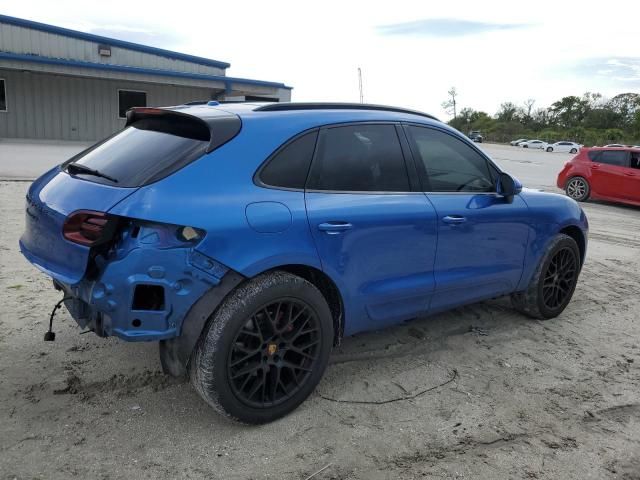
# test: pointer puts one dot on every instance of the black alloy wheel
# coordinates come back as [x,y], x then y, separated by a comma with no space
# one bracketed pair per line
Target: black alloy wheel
[264,349]
[274,353]
[554,281]
[560,278]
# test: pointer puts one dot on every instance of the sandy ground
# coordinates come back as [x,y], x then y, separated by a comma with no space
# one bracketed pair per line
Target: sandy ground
[479,392]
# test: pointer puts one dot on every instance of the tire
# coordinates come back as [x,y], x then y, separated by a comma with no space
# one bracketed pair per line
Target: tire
[525,146]
[540,299]
[275,329]
[549,149]
[578,188]
[573,150]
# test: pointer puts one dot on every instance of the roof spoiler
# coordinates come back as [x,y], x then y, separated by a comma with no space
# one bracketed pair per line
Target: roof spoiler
[217,129]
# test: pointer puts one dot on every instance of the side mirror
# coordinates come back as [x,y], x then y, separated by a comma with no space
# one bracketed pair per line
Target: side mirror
[508,186]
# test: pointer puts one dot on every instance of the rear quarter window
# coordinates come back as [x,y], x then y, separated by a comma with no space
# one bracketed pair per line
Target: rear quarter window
[289,166]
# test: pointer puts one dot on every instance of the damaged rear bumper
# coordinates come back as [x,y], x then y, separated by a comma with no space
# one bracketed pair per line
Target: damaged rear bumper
[142,291]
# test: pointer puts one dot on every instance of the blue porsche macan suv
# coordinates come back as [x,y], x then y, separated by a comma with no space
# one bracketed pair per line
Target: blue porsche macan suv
[248,239]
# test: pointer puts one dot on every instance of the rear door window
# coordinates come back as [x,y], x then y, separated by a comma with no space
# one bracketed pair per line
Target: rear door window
[359,158]
[618,158]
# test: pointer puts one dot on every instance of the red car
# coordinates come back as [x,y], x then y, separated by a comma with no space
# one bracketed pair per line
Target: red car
[604,174]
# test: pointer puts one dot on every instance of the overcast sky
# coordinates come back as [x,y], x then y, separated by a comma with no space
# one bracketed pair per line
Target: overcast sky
[410,52]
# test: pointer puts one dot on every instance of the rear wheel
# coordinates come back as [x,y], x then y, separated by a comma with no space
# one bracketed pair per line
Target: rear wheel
[525,146]
[578,188]
[549,149]
[554,281]
[265,348]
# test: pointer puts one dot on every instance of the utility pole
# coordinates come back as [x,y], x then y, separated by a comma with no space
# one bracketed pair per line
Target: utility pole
[360,84]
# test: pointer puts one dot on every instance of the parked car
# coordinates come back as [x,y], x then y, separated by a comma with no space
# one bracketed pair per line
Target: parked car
[603,173]
[250,239]
[476,136]
[569,147]
[539,144]
[515,143]
[615,145]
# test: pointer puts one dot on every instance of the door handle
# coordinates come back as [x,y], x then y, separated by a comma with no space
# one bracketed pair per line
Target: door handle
[454,219]
[630,174]
[595,166]
[334,227]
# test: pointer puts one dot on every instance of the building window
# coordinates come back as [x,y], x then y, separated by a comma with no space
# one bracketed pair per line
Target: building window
[3,96]
[128,99]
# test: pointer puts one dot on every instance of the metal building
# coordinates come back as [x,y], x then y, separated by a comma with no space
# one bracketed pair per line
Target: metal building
[57,83]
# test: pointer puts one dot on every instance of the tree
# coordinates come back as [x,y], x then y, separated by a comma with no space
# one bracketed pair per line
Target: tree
[508,112]
[569,111]
[589,119]
[450,105]
[528,107]
[625,105]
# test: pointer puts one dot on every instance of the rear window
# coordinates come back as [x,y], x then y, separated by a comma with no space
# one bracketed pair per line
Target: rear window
[156,144]
[135,156]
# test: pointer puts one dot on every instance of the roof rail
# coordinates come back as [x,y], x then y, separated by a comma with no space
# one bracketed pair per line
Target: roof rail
[286,106]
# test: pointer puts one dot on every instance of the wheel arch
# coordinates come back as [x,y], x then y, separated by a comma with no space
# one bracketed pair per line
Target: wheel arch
[329,290]
[578,235]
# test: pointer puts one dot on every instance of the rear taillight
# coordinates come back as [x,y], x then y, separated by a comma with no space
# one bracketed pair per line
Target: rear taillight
[89,228]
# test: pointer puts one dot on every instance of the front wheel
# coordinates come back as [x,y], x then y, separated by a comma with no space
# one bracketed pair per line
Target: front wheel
[549,149]
[573,150]
[578,188]
[525,146]
[265,348]
[553,282]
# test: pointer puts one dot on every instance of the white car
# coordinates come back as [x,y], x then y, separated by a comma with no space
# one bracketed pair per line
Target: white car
[569,147]
[517,142]
[533,144]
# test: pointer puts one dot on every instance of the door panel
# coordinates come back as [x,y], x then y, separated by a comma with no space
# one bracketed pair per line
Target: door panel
[608,173]
[381,248]
[607,180]
[631,184]
[481,256]
[482,237]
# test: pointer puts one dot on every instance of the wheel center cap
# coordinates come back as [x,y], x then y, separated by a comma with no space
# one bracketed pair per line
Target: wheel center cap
[272,348]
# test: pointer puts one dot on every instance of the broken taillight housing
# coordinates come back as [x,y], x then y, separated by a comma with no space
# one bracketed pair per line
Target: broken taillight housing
[89,228]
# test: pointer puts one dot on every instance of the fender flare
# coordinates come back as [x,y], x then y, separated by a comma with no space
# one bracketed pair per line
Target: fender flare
[175,353]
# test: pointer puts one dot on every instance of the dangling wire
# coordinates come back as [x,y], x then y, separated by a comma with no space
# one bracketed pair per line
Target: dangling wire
[50,336]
